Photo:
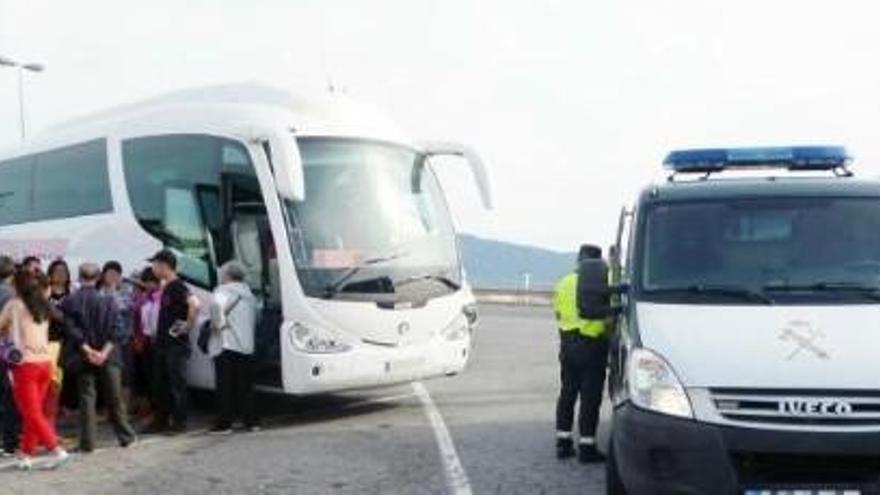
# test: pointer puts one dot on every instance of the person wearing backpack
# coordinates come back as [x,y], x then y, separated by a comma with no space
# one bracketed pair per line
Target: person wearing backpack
[233,319]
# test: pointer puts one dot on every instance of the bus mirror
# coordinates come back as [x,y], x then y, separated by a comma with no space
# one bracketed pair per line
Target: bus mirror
[478,168]
[287,166]
[593,293]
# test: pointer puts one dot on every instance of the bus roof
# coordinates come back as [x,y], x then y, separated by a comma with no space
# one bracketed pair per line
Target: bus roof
[225,108]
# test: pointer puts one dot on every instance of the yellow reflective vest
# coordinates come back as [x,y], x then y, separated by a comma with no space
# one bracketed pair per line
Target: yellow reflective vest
[565,307]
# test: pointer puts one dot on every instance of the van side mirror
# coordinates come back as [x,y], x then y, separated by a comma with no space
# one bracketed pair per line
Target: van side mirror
[593,294]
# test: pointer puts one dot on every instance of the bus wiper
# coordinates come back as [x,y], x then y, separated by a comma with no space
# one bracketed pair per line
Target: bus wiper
[720,290]
[869,291]
[340,283]
[443,279]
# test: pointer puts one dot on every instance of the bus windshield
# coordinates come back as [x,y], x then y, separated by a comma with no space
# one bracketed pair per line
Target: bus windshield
[758,249]
[374,224]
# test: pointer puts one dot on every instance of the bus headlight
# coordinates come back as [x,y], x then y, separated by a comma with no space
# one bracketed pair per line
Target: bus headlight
[457,330]
[308,338]
[653,385]
[472,314]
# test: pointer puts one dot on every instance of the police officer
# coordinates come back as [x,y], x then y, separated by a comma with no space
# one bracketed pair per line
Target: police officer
[583,356]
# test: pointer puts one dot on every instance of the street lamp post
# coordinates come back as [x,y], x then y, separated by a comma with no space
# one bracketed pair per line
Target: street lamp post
[7,62]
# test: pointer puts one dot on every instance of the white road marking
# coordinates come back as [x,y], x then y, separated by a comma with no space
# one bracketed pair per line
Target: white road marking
[456,477]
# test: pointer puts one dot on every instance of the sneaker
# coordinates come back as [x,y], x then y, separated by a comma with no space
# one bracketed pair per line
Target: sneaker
[58,457]
[589,454]
[25,463]
[564,448]
[253,428]
[220,430]
[7,454]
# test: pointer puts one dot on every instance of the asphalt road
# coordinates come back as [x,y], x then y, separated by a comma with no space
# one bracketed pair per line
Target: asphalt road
[488,430]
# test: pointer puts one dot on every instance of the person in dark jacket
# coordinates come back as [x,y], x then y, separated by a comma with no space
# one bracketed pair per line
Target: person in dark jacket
[9,417]
[92,321]
[178,310]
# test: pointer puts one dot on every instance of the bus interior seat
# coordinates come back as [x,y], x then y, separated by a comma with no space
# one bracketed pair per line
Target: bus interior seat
[247,249]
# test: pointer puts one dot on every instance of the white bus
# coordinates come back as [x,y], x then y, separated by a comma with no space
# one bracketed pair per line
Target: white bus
[337,215]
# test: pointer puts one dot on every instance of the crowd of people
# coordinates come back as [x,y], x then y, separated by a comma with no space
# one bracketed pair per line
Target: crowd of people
[118,343]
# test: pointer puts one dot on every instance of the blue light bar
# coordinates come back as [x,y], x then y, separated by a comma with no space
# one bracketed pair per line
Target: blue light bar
[792,158]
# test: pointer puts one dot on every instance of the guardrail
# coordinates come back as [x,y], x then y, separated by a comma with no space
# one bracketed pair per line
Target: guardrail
[514,297]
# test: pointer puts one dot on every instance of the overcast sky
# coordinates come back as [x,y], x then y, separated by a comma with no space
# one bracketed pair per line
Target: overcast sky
[572,104]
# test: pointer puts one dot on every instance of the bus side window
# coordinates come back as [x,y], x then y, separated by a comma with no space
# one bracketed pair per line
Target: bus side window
[16,190]
[175,185]
[183,221]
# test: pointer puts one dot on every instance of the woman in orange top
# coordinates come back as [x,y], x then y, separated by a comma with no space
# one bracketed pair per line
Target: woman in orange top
[25,319]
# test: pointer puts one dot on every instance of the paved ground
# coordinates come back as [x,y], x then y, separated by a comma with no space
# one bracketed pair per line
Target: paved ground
[498,416]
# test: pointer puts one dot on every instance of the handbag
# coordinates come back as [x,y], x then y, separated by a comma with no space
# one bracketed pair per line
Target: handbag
[10,354]
[206,330]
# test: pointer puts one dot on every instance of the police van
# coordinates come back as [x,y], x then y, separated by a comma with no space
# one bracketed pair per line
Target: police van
[747,356]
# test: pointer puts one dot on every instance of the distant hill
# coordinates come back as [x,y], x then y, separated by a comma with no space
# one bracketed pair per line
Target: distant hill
[501,265]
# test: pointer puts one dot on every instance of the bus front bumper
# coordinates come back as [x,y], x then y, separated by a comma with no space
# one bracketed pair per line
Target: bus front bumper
[367,366]
[660,454]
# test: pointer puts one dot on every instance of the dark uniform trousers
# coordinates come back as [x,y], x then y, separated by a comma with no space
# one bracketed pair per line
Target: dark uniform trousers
[583,361]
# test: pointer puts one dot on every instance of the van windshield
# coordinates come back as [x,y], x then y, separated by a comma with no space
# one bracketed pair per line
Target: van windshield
[780,248]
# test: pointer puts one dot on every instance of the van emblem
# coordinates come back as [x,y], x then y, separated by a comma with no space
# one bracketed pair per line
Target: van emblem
[804,336]
[403,329]
[815,407]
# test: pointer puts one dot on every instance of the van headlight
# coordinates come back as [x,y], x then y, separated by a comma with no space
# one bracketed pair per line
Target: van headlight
[309,338]
[653,385]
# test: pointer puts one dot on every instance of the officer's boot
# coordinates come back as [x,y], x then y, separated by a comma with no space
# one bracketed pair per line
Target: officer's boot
[564,448]
[588,453]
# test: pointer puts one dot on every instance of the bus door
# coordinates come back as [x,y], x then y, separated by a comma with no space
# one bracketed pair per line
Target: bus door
[249,240]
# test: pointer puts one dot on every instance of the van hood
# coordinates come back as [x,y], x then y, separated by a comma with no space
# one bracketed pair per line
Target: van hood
[816,347]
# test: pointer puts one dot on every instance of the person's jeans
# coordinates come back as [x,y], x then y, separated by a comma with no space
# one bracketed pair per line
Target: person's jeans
[235,388]
[582,361]
[110,378]
[9,417]
[169,382]
[30,383]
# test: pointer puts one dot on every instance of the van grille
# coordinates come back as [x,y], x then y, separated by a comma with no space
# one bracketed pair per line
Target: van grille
[854,408]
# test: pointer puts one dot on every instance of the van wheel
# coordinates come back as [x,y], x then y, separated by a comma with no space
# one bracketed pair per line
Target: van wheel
[613,483]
